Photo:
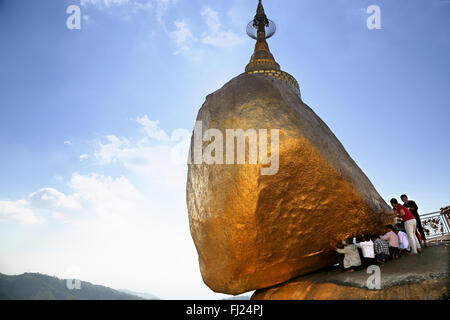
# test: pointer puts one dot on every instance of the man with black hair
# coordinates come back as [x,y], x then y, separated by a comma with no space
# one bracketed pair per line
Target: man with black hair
[410,225]
[381,249]
[412,206]
[368,253]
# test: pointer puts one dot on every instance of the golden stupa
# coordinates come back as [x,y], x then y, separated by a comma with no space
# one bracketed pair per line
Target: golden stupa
[262,60]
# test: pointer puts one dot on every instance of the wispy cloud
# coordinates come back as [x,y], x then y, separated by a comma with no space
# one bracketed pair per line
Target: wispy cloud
[182,36]
[224,39]
[215,35]
[211,19]
[18,211]
[160,7]
[52,199]
[94,197]
[152,129]
[153,154]
[106,3]
[84,157]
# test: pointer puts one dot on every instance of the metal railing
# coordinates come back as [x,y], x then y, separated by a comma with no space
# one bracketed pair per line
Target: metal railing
[436,224]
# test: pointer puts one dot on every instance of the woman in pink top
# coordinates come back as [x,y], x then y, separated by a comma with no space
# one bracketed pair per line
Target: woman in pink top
[392,238]
[410,225]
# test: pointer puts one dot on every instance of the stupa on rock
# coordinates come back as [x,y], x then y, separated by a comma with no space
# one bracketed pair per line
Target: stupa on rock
[255,230]
[262,60]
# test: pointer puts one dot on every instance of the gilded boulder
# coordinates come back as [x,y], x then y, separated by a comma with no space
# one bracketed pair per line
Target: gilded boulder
[253,228]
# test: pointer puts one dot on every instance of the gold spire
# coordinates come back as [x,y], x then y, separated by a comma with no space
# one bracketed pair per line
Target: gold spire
[262,60]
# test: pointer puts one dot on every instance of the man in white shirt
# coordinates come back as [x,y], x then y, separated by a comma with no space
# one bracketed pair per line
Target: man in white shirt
[367,251]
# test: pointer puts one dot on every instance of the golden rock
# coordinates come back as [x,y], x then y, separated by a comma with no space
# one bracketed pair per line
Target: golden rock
[253,231]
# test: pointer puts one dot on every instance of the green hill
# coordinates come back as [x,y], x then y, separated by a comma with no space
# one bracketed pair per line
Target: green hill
[36,286]
[143,295]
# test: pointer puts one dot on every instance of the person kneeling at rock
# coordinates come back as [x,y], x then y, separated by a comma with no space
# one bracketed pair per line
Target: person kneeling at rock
[368,253]
[392,238]
[381,249]
[351,260]
[402,238]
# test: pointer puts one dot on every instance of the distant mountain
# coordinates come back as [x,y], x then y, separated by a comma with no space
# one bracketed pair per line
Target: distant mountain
[36,286]
[143,295]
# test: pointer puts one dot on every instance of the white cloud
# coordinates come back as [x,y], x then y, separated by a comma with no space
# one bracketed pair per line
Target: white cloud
[142,5]
[110,151]
[152,128]
[94,197]
[223,39]
[84,157]
[211,18]
[156,156]
[160,7]
[18,211]
[103,3]
[182,36]
[52,199]
[67,143]
[215,36]
[109,199]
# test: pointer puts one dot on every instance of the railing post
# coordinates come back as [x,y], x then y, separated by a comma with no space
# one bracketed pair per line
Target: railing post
[445,213]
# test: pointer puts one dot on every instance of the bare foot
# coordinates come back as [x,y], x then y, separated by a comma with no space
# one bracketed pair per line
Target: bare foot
[351,270]
[412,254]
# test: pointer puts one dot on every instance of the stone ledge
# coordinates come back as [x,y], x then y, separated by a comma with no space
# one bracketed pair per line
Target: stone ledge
[425,276]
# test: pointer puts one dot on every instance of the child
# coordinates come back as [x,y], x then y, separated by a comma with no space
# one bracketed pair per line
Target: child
[403,243]
[368,252]
[392,239]
[381,249]
[351,260]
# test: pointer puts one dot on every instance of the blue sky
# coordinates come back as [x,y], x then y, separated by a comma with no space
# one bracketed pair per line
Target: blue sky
[93,121]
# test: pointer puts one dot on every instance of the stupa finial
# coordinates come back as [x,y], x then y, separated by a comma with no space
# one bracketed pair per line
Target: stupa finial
[260,29]
[262,60]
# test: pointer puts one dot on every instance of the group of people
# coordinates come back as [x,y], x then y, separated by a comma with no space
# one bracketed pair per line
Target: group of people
[405,237]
